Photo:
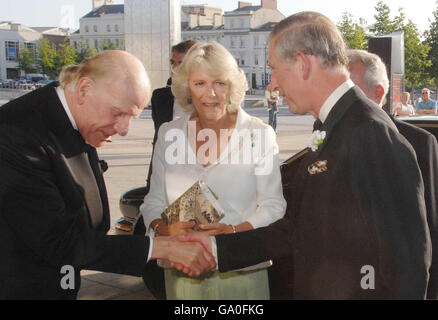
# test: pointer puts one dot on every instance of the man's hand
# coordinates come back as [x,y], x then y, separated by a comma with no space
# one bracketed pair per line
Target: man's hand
[192,257]
[197,237]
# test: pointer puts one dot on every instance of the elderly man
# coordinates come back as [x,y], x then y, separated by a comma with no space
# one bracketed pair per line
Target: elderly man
[356,226]
[427,105]
[369,73]
[404,108]
[54,211]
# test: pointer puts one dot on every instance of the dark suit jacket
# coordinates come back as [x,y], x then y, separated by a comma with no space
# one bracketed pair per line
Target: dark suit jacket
[45,220]
[426,149]
[162,111]
[367,209]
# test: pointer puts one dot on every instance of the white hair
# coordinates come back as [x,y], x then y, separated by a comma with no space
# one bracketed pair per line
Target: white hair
[375,69]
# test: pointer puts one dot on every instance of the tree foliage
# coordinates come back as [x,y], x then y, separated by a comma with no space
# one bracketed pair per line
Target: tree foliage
[47,57]
[431,36]
[384,23]
[416,57]
[353,32]
[65,55]
[26,60]
[418,54]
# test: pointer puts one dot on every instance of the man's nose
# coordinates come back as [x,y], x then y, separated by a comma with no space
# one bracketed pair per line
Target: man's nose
[122,125]
[274,84]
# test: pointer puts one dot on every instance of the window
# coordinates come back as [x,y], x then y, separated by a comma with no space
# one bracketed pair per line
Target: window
[232,23]
[242,23]
[108,28]
[11,50]
[95,28]
[87,29]
[256,60]
[117,43]
[31,47]
[232,42]
[116,28]
[256,41]
[242,42]
[96,43]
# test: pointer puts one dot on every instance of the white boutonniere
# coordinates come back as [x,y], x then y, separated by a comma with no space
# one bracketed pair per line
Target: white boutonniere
[317,139]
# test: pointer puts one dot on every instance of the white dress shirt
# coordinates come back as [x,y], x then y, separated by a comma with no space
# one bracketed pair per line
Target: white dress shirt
[333,98]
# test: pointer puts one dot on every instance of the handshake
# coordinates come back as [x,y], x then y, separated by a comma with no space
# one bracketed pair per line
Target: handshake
[190,253]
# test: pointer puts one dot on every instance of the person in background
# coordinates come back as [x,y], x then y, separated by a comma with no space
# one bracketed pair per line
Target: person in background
[369,73]
[404,108]
[427,105]
[272,98]
[210,87]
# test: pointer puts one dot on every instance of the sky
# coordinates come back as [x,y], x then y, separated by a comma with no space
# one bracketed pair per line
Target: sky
[37,13]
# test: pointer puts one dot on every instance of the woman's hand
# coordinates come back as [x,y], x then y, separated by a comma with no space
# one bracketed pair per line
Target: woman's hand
[175,229]
[213,229]
[181,227]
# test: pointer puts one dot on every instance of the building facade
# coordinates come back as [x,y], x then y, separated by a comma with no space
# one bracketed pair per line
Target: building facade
[245,33]
[14,36]
[102,28]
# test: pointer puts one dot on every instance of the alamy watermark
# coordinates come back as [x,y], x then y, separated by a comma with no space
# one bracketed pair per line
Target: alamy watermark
[368,281]
[236,147]
[68,280]
[67,16]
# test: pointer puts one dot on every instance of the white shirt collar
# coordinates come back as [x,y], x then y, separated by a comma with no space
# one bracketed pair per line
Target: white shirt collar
[333,98]
[61,96]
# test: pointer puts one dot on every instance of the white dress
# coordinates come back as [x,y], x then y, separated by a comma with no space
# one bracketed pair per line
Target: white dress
[247,180]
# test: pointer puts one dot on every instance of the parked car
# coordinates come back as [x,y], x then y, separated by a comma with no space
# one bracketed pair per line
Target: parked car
[427,122]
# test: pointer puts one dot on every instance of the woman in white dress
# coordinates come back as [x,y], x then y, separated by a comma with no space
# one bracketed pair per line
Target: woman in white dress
[236,155]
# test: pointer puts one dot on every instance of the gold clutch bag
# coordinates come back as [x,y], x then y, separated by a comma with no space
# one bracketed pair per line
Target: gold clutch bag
[198,203]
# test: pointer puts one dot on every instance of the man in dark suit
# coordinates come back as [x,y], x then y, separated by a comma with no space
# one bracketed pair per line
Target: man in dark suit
[54,212]
[369,73]
[356,226]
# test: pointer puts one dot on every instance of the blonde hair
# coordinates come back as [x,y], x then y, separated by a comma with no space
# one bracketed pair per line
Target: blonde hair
[216,61]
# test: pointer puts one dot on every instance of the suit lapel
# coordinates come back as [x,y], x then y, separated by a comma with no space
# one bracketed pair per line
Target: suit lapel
[301,178]
[79,158]
[335,115]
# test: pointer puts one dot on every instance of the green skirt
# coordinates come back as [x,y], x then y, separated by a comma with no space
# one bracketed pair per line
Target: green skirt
[251,285]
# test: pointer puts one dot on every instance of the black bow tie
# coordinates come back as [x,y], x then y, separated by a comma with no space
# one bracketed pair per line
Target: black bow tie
[317,125]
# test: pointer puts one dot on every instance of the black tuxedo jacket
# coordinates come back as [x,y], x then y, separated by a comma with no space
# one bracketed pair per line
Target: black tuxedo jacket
[366,209]
[45,213]
[426,149]
[162,107]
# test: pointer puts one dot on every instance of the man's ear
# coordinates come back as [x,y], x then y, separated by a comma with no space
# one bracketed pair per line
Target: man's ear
[304,64]
[379,93]
[84,88]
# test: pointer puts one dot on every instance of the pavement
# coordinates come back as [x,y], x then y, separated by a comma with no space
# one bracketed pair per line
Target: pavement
[128,159]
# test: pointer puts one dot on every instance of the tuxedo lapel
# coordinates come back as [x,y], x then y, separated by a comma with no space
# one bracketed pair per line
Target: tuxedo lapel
[301,180]
[79,159]
[335,115]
